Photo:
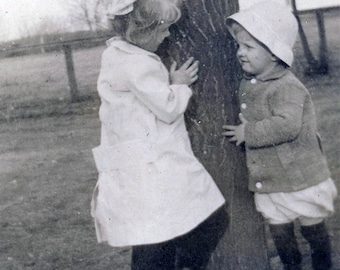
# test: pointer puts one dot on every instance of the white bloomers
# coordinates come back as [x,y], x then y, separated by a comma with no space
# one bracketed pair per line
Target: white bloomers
[315,202]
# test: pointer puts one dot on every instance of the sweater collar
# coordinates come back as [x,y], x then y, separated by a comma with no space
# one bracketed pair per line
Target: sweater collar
[122,44]
[277,72]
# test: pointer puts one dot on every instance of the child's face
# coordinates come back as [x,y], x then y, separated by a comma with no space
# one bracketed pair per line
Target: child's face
[254,58]
[158,37]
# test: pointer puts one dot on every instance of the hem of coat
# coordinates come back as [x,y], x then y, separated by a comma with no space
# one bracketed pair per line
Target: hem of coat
[286,189]
[159,239]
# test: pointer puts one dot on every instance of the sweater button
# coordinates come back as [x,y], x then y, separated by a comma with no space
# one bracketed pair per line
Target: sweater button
[253,81]
[258,185]
[243,106]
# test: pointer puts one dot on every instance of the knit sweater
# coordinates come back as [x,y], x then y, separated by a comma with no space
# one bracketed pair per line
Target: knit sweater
[282,145]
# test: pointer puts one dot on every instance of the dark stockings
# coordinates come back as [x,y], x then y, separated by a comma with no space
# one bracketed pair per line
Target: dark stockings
[191,251]
[320,245]
[286,245]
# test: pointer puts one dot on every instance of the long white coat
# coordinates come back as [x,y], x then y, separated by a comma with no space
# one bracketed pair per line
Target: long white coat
[151,188]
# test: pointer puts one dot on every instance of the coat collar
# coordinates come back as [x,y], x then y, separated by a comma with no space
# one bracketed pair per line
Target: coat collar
[277,72]
[122,44]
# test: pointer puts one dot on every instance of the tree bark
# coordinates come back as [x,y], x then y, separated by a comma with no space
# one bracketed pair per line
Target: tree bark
[201,33]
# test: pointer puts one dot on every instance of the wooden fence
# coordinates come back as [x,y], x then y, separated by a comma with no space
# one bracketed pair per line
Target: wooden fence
[67,47]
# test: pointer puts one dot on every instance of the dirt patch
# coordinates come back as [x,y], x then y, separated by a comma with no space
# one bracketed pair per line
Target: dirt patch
[48,176]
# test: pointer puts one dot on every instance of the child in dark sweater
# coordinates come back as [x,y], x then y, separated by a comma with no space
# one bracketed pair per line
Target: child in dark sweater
[287,169]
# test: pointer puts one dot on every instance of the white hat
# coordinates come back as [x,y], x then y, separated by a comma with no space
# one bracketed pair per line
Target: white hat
[272,24]
[118,7]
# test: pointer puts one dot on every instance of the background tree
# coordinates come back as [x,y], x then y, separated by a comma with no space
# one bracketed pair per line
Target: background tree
[319,66]
[201,33]
[87,14]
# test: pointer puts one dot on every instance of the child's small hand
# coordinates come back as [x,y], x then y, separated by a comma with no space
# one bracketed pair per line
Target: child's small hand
[186,74]
[236,132]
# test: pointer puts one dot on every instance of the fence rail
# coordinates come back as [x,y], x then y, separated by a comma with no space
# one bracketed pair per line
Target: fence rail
[67,46]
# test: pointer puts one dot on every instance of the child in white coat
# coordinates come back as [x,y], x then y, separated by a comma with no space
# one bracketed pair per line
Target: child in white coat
[152,193]
[287,169]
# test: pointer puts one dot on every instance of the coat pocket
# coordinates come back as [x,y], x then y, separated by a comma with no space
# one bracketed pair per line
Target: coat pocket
[289,163]
[129,154]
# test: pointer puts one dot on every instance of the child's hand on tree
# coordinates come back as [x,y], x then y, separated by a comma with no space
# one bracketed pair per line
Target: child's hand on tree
[186,74]
[236,132]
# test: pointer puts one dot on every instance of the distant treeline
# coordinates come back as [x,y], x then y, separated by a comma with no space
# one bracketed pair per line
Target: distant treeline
[52,42]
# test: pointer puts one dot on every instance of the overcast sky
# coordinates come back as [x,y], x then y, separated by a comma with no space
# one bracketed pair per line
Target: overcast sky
[16,15]
[300,4]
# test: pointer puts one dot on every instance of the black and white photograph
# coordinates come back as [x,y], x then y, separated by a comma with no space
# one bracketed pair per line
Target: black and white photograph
[169,134]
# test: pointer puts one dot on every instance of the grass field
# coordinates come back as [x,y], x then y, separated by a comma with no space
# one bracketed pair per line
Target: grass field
[46,166]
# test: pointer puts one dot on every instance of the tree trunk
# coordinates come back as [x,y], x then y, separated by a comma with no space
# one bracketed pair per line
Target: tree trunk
[312,63]
[201,33]
[314,66]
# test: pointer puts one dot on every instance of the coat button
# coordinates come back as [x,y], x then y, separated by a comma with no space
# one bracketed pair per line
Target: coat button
[253,81]
[258,185]
[243,106]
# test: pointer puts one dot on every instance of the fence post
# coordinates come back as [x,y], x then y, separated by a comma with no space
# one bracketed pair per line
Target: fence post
[70,73]
[323,57]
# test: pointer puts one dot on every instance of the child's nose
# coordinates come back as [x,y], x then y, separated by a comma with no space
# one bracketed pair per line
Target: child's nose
[167,33]
[240,51]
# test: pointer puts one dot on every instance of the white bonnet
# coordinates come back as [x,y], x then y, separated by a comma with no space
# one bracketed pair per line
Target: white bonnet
[118,7]
[272,24]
